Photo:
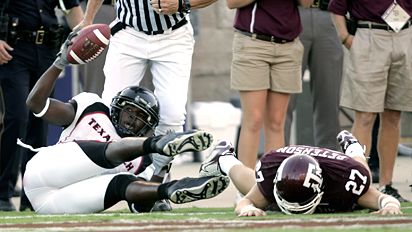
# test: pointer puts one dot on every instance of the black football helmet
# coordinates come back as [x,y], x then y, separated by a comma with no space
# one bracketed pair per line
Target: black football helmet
[135,112]
[298,184]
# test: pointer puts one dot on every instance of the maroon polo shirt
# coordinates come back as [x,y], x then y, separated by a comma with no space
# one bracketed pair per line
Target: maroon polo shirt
[279,18]
[367,10]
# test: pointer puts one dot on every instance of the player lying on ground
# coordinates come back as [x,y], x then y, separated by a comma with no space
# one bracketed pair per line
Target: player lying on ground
[302,179]
[87,170]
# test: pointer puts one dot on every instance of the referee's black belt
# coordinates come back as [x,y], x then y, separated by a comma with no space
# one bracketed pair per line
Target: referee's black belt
[119,26]
[381,26]
[268,38]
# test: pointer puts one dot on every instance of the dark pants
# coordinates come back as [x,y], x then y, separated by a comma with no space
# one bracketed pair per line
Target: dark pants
[17,78]
[323,56]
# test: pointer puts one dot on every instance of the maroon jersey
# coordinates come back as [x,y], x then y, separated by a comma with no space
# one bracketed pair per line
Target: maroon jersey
[344,179]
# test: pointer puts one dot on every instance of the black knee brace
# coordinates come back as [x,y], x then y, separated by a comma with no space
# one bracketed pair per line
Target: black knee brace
[116,190]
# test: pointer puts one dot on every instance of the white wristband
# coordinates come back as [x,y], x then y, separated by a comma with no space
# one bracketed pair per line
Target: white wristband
[385,200]
[44,110]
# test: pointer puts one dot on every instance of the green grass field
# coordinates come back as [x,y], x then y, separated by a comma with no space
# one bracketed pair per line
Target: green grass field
[206,219]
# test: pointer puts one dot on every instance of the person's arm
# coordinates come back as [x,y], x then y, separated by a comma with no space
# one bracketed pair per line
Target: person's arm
[74,16]
[252,203]
[342,30]
[39,101]
[384,204]
[172,6]
[92,8]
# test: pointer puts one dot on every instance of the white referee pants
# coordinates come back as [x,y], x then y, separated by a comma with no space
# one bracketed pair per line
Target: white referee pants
[169,57]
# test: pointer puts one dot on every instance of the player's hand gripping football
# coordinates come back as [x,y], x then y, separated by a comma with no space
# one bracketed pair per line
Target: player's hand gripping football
[61,60]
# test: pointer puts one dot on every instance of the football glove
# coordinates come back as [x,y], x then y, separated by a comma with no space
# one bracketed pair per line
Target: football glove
[61,60]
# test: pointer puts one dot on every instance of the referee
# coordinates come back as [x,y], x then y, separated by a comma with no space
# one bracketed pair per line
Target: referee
[155,35]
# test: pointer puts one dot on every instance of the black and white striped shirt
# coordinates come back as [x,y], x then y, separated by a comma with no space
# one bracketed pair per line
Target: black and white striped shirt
[140,15]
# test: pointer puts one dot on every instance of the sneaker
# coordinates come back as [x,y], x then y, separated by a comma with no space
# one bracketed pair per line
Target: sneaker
[174,143]
[345,138]
[210,166]
[194,189]
[389,190]
[6,205]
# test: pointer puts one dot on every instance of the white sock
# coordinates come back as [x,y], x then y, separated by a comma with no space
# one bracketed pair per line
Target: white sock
[226,162]
[147,173]
[355,149]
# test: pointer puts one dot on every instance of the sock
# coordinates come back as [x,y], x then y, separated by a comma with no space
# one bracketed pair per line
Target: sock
[355,149]
[147,173]
[162,189]
[226,162]
[148,144]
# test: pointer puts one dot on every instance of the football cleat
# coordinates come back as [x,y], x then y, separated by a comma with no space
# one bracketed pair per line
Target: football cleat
[345,138]
[161,206]
[210,166]
[194,189]
[174,143]
[150,206]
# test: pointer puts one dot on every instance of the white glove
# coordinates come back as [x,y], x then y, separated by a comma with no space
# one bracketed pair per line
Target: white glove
[61,60]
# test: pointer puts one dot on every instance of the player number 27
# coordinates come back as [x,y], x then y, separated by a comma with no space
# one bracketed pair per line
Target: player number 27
[352,185]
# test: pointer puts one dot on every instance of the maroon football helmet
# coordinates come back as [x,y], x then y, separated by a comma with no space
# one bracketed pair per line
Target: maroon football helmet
[298,184]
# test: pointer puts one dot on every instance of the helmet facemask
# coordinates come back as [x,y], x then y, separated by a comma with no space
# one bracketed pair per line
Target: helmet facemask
[133,115]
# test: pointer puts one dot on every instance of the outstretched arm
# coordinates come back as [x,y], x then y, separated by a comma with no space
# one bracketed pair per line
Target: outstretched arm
[39,101]
[384,204]
[252,203]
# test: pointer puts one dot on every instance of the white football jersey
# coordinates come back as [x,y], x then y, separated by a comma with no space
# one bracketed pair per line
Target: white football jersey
[92,122]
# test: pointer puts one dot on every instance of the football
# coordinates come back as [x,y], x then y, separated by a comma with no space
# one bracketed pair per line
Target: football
[88,44]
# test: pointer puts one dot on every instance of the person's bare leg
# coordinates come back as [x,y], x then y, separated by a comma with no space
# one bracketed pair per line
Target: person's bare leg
[388,140]
[362,129]
[253,110]
[276,107]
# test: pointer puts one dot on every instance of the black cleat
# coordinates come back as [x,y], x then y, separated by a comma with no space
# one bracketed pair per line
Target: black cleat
[174,143]
[161,205]
[194,189]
